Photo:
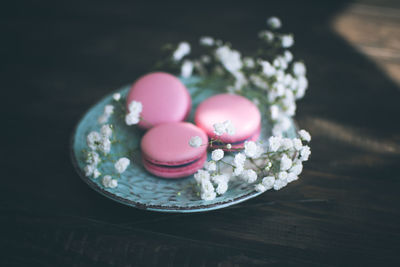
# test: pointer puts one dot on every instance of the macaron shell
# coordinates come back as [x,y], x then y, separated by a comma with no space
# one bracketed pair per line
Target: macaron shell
[168,143]
[175,172]
[163,96]
[243,114]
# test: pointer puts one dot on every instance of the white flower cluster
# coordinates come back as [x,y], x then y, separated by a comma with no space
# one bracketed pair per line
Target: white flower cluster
[122,164]
[274,80]
[97,141]
[187,68]
[224,127]
[101,142]
[117,96]
[279,77]
[133,115]
[108,110]
[182,50]
[274,165]
[195,141]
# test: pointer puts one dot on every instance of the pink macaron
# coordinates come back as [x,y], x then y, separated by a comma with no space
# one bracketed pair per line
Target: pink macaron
[166,151]
[243,114]
[164,99]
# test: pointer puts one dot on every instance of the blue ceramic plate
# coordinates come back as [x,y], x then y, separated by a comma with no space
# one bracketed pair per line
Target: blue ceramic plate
[140,189]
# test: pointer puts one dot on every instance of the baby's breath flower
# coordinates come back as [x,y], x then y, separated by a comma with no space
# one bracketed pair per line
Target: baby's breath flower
[287,41]
[250,176]
[195,141]
[222,183]
[109,182]
[286,144]
[299,69]
[304,135]
[259,82]
[274,143]
[201,175]
[187,68]
[96,173]
[296,168]
[287,81]
[131,119]
[267,68]
[92,158]
[122,164]
[105,145]
[210,166]
[206,41]
[291,177]
[224,127]
[260,188]
[266,36]
[221,188]
[229,128]
[274,110]
[282,175]
[89,169]
[219,128]
[117,96]
[274,23]
[229,58]
[135,107]
[280,63]
[268,166]
[113,183]
[305,153]
[302,84]
[239,160]
[134,110]
[238,170]
[182,50]
[286,163]
[93,140]
[297,144]
[109,109]
[208,195]
[288,56]
[279,184]
[206,186]
[106,131]
[268,182]
[106,180]
[249,62]
[217,154]
[221,178]
[250,149]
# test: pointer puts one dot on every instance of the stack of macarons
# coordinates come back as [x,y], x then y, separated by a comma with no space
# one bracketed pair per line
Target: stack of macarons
[166,104]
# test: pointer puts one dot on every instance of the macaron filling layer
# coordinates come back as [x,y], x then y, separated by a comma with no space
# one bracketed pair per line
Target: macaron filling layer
[172,166]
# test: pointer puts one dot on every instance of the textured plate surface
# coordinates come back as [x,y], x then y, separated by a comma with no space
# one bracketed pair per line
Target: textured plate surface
[137,187]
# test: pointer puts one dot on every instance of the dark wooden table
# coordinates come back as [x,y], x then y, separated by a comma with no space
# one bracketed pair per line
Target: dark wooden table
[57,59]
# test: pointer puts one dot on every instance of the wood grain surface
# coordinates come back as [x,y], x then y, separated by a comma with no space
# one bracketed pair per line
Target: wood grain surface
[60,58]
